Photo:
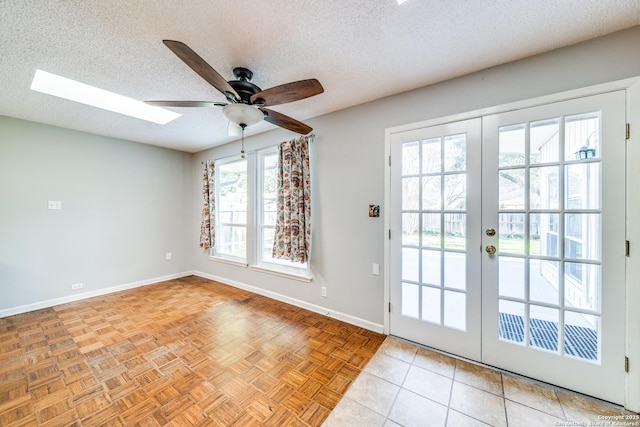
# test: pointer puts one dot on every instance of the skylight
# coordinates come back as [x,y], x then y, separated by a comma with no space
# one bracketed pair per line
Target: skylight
[90,95]
[401,1]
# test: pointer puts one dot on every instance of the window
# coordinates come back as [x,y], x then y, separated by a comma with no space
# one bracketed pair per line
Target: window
[237,180]
[231,209]
[267,211]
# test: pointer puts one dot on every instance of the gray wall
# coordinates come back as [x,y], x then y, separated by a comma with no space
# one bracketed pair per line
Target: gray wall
[142,201]
[123,207]
[348,165]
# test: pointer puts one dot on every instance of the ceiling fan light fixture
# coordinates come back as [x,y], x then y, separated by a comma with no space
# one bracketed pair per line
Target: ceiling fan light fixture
[243,114]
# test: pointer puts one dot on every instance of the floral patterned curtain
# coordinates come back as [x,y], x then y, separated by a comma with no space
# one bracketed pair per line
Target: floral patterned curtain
[207,228]
[292,238]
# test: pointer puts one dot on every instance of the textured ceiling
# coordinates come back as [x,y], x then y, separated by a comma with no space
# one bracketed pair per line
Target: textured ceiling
[360,50]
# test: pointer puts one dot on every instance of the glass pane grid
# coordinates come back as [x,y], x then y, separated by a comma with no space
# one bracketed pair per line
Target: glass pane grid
[549,236]
[434,230]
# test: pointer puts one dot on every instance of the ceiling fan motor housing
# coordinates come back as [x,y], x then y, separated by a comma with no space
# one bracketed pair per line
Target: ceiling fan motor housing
[243,86]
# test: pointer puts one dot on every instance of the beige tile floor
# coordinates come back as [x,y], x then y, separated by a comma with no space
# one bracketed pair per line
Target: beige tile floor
[408,385]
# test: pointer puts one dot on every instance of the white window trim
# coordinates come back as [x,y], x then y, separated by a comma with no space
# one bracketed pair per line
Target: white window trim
[264,265]
[229,259]
[238,262]
[283,271]
[254,224]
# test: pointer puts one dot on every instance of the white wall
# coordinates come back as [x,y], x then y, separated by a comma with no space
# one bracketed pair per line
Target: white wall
[348,166]
[124,206]
[142,201]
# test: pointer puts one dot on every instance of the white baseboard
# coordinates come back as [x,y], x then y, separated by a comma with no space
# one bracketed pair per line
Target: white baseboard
[375,327]
[77,297]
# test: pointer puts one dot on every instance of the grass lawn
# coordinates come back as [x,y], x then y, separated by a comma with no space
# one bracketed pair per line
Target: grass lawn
[508,246]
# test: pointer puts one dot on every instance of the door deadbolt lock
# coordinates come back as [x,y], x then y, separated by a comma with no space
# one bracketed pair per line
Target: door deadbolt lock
[490,249]
[490,232]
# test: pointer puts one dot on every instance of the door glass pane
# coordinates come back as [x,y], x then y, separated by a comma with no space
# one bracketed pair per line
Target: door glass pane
[543,281]
[431,304]
[511,143]
[455,309]
[410,158]
[511,233]
[431,267]
[543,234]
[511,189]
[544,141]
[410,300]
[431,159]
[431,230]
[582,136]
[511,321]
[582,285]
[543,327]
[410,193]
[455,267]
[410,226]
[582,335]
[583,186]
[455,231]
[434,219]
[410,264]
[511,277]
[582,236]
[431,193]
[455,153]
[543,187]
[455,191]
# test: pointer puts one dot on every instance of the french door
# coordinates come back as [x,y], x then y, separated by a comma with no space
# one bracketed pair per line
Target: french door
[435,223]
[507,241]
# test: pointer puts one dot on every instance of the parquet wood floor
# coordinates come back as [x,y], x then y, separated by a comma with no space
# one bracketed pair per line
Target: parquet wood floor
[184,352]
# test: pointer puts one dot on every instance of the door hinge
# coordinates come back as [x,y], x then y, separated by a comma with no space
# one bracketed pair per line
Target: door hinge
[626,247]
[389,160]
[389,307]
[626,364]
[628,131]
[389,234]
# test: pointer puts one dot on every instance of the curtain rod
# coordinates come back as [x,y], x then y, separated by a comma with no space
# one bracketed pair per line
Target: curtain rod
[311,137]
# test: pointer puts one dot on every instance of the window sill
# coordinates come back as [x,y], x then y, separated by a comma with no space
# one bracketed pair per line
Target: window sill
[230,261]
[287,274]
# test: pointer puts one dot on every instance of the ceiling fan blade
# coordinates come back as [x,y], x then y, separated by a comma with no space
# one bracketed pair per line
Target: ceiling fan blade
[289,92]
[285,121]
[200,66]
[185,103]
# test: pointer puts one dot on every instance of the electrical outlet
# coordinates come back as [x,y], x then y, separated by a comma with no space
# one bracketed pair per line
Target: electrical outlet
[77,286]
[323,291]
[167,256]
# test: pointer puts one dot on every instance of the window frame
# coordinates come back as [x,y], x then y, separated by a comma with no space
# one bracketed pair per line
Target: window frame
[255,222]
[214,252]
[275,264]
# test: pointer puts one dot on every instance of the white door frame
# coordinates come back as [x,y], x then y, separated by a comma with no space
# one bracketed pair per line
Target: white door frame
[632,86]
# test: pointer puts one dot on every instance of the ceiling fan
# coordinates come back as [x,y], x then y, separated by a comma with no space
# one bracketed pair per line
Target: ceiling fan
[246,102]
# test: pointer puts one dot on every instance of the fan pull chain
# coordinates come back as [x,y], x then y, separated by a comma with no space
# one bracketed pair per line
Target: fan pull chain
[242,154]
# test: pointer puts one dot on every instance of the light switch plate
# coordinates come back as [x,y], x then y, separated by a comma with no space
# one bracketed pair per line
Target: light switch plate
[376,269]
